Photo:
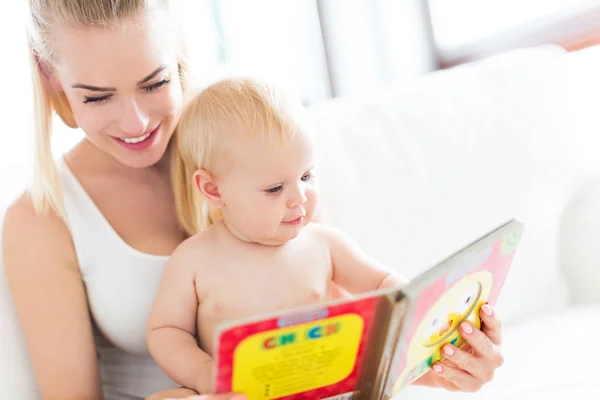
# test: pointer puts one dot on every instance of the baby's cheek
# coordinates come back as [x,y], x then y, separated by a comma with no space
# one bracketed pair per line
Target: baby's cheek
[314,198]
[312,194]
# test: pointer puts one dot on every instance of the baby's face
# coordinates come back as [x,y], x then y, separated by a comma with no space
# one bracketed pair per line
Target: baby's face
[269,193]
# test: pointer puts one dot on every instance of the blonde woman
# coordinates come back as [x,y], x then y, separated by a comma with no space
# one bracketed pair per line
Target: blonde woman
[84,249]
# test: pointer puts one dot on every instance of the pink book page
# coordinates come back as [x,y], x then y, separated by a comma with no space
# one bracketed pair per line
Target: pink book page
[438,310]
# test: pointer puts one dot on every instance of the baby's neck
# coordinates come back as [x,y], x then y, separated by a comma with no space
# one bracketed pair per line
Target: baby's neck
[229,230]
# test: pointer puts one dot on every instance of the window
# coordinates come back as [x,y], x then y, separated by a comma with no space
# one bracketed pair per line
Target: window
[469,29]
[280,40]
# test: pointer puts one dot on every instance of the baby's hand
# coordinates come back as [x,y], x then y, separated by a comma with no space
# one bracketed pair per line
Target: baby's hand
[469,368]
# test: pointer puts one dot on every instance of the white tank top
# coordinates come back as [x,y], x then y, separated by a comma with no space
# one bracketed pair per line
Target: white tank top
[121,284]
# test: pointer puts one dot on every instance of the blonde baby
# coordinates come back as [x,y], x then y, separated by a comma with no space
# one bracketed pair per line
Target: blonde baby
[248,178]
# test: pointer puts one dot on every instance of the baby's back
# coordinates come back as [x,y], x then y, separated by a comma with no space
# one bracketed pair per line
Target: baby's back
[237,279]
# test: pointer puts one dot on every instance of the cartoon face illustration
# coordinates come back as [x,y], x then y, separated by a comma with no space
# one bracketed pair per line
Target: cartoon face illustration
[456,305]
[444,320]
[439,324]
[461,302]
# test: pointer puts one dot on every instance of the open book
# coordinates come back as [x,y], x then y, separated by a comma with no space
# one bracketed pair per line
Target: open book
[372,345]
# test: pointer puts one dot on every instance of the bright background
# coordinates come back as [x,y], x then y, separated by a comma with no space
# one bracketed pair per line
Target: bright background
[322,48]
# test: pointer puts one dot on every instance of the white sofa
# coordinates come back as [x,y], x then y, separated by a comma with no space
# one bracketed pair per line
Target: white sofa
[415,172]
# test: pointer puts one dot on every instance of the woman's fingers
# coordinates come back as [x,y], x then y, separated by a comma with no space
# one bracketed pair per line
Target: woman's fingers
[455,379]
[492,324]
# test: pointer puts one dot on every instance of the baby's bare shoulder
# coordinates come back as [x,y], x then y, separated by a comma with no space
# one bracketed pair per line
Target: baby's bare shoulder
[321,232]
[319,236]
[195,250]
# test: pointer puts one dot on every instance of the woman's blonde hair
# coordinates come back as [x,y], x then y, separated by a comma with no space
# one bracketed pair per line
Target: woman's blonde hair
[212,119]
[46,190]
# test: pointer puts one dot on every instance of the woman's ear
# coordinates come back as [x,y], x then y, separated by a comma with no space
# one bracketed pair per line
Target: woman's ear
[205,182]
[57,95]
[48,74]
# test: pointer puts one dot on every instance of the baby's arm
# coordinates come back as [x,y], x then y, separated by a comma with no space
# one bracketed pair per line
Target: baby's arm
[171,331]
[352,268]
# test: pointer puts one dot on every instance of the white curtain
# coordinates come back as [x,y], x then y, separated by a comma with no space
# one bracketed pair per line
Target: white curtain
[465,30]
[375,43]
[277,39]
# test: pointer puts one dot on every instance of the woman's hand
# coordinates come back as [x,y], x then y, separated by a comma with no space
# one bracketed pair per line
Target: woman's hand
[469,368]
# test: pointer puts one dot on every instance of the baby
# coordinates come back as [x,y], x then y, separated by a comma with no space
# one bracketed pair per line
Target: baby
[248,177]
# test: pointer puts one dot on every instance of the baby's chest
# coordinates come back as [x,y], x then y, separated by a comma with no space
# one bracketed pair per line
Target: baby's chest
[263,286]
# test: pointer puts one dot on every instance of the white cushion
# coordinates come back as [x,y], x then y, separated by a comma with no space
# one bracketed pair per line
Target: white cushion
[550,357]
[580,239]
[583,104]
[416,172]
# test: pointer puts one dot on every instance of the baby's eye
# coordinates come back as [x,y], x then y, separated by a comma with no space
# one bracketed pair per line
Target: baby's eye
[308,176]
[274,189]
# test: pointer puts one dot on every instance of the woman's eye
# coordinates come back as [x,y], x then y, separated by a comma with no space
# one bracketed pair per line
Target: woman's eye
[96,100]
[307,177]
[274,189]
[156,85]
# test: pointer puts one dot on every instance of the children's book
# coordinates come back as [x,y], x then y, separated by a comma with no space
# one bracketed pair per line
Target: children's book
[369,346]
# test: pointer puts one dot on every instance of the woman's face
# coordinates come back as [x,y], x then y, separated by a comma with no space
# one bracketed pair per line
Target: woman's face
[123,86]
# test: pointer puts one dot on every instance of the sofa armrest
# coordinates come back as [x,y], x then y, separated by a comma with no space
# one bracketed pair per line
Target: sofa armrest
[580,243]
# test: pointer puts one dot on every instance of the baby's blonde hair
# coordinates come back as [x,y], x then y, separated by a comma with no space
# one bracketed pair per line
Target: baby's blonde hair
[44,15]
[227,110]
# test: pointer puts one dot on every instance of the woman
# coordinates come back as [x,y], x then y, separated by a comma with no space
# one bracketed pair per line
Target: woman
[85,248]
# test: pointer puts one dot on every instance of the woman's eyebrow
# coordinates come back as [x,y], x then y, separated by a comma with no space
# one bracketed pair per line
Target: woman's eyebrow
[113,89]
[93,88]
[152,75]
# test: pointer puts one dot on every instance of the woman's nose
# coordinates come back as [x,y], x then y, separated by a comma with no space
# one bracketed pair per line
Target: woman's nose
[134,120]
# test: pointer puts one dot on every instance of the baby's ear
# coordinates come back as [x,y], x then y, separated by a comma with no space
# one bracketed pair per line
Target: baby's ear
[205,182]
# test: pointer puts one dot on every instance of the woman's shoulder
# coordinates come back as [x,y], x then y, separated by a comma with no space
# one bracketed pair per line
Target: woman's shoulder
[25,232]
[21,215]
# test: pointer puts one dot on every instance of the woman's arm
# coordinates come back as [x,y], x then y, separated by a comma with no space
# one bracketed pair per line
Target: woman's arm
[51,304]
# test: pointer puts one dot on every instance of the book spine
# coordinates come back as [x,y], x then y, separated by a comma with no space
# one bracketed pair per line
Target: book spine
[386,368]
[381,348]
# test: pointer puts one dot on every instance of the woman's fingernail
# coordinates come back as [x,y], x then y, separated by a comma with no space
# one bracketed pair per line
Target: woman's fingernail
[437,368]
[466,328]
[487,309]
[448,350]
